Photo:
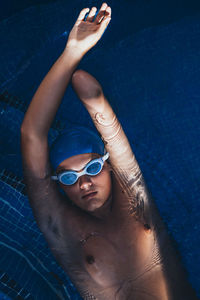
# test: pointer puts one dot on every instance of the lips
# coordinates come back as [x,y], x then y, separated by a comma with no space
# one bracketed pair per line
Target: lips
[89,195]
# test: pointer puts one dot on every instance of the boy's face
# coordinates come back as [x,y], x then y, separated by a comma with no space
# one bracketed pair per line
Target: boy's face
[89,192]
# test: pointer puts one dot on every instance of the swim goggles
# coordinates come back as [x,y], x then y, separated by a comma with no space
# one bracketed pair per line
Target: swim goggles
[93,168]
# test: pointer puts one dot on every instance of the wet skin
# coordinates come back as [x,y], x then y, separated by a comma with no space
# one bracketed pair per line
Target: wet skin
[108,253]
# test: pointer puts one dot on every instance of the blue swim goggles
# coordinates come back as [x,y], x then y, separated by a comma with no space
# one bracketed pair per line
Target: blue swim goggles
[93,168]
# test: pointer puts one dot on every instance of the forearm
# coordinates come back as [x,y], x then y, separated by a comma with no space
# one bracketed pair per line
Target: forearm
[91,94]
[49,94]
[115,140]
[116,143]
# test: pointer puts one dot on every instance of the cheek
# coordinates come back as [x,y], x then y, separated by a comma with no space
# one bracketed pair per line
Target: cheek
[103,180]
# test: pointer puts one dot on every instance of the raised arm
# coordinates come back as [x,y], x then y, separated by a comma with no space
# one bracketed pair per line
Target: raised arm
[42,191]
[123,161]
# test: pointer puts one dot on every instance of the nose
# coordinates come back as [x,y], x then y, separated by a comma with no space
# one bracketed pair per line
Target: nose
[85,182]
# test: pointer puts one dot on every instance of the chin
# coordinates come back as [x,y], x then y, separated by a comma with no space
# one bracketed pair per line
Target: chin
[94,205]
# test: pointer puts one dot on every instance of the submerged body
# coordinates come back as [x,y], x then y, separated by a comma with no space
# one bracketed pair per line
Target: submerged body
[125,254]
[118,248]
[109,237]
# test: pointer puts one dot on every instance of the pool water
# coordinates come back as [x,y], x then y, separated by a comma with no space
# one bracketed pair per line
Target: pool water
[149,68]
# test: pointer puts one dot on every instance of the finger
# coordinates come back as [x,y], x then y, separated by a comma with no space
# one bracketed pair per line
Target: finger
[82,14]
[108,12]
[101,13]
[103,6]
[91,15]
[104,23]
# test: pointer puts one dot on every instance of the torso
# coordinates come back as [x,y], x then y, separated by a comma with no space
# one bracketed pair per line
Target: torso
[119,258]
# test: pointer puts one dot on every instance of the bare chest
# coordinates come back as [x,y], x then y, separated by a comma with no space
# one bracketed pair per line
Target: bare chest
[114,251]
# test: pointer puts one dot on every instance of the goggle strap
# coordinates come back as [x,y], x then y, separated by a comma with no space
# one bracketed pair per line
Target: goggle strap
[105,157]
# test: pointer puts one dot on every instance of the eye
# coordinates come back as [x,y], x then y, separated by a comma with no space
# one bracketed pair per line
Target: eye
[94,168]
[68,178]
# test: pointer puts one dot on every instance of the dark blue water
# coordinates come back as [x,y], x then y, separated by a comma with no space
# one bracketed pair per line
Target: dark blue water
[148,62]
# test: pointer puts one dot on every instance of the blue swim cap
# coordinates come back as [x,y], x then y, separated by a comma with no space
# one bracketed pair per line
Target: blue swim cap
[74,141]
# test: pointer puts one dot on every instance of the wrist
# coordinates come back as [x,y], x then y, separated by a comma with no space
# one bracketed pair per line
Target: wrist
[73,51]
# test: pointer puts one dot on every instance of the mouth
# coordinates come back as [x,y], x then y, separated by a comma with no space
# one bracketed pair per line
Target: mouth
[89,195]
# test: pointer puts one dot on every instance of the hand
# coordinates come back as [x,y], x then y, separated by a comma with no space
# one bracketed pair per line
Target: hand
[85,34]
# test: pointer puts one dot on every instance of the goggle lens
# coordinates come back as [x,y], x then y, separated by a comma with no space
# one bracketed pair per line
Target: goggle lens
[68,178]
[94,168]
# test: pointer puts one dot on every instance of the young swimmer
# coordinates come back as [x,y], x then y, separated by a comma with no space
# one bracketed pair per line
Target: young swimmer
[109,238]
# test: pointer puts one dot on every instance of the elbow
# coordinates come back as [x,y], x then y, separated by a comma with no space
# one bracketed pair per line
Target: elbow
[27,133]
[25,126]
[25,130]
[31,135]
[86,86]
[29,130]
